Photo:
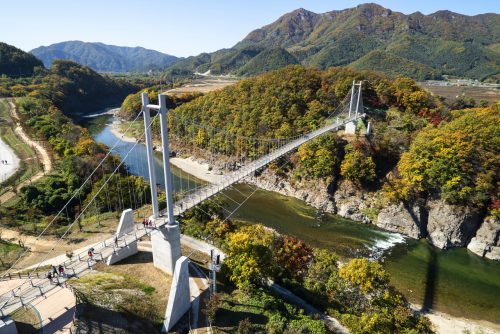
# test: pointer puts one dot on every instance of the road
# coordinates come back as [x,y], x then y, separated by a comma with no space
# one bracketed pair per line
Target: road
[42,153]
[6,153]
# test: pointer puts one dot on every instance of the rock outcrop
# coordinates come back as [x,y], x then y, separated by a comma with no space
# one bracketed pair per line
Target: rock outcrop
[314,193]
[486,243]
[351,202]
[403,218]
[451,225]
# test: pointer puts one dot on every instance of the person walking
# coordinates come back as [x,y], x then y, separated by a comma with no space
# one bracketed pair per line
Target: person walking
[61,271]
[49,276]
[54,271]
[116,241]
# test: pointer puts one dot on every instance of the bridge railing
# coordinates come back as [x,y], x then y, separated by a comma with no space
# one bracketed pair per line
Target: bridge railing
[80,263]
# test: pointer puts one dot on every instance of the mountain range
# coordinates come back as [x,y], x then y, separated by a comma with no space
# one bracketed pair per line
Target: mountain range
[368,36]
[104,58]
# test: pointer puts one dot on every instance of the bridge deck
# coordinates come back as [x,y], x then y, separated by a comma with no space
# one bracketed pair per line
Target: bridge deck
[80,263]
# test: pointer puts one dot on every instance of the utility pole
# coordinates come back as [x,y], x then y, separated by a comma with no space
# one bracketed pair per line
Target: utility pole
[214,268]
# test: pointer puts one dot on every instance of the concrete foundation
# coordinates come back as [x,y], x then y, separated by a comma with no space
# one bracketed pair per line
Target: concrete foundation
[7,325]
[179,298]
[166,245]
[350,128]
[122,253]
[125,226]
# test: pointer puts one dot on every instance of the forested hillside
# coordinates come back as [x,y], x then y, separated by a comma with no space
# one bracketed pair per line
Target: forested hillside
[16,62]
[71,87]
[372,37]
[448,154]
[44,103]
[104,58]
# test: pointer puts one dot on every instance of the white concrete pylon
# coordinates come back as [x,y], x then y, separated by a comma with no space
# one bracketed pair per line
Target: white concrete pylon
[179,301]
[359,103]
[166,244]
[166,158]
[351,102]
[149,152]
[125,226]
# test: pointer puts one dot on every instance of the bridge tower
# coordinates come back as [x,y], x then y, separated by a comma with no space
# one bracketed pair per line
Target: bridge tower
[165,240]
[355,107]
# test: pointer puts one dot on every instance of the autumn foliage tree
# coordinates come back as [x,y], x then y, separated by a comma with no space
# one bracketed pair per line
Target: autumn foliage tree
[249,256]
[292,256]
[358,166]
[457,161]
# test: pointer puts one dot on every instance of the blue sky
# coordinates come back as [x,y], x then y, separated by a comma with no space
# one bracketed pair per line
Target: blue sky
[178,27]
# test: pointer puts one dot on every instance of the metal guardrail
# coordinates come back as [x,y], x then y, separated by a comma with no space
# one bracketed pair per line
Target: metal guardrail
[34,288]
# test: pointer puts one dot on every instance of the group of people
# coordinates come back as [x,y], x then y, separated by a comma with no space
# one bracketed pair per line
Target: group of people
[147,223]
[56,272]
[4,162]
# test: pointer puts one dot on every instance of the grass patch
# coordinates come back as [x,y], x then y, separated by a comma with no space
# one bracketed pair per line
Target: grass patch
[27,320]
[9,252]
[121,293]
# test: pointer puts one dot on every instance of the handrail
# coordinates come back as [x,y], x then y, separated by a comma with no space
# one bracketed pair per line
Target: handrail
[80,262]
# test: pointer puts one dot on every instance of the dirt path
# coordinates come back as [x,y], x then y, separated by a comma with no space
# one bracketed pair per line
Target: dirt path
[40,248]
[43,154]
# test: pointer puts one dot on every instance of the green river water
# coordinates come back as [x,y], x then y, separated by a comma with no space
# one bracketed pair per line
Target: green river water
[453,281]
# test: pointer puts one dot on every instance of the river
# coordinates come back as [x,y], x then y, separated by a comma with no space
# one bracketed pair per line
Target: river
[455,281]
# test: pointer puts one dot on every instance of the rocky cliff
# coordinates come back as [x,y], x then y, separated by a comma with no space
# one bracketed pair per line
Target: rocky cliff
[444,225]
[315,193]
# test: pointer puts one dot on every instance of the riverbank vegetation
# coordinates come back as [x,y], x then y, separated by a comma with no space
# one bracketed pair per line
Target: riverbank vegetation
[358,292]
[43,103]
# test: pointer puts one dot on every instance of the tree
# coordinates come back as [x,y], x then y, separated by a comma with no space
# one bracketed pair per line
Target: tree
[292,256]
[365,274]
[358,167]
[456,160]
[322,271]
[319,158]
[249,256]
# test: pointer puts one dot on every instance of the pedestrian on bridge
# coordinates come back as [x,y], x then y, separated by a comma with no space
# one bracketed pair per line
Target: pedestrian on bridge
[49,276]
[61,271]
[54,271]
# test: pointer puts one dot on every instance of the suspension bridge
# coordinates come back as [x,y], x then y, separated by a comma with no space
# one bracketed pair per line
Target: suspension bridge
[165,231]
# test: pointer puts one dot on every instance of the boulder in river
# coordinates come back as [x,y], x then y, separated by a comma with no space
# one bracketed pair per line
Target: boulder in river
[486,243]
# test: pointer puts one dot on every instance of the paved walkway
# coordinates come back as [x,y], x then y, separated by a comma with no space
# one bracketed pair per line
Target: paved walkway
[6,153]
[56,308]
